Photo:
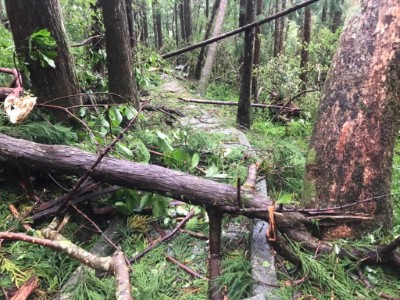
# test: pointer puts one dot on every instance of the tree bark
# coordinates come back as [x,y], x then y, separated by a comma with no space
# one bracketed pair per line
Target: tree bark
[277,34]
[257,47]
[119,53]
[130,20]
[188,19]
[144,35]
[200,59]
[244,106]
[351,148]
[212,49]
[27,17]
[146,177]
[282,28]
[304,49]
[158,34]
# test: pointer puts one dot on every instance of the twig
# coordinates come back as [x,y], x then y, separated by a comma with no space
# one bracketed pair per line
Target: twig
[389,248]
[194,234]
[184,267]
[388,297]
[319,210]
[227,103]
[290,101]
[239,200]
[166,238]
[97,228]
[251,180]
[121,272]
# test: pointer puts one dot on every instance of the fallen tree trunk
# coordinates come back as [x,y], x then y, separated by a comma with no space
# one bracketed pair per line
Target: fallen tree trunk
[145,177]
[191,189]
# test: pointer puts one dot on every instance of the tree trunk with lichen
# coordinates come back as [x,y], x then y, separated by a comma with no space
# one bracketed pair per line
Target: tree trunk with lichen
[351,148]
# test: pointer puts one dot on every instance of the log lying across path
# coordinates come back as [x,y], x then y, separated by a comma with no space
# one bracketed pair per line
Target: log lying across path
[190,189]
[145,177]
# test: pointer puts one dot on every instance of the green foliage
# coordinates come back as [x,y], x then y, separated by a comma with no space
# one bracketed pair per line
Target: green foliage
[223,92]
[236,276]
[284,150]
[42,47]
[395,189]
[130,201]
[90,287]
[329,276]
[12,271]
[7,51]
[38,131]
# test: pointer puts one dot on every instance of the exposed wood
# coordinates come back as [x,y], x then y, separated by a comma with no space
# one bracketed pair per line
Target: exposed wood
[26,289]
[351,149]
[239,30]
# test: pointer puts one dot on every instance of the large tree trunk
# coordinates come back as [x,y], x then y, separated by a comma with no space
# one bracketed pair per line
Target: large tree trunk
[119,53]
[277,33]
[146,177]
[157,25]
[351,149]
[130,20]
[188,19]
[304,49]
[27,17]
[212,49]
[200,59]
[244,105]
[144,34]
[257,48]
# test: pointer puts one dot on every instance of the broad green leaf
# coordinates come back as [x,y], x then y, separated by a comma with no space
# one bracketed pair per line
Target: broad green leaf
[49,61]
[213,170]
[146,199]
[115,116]
[163,143]
[121,207]
[142,153]
[41,32]
[123,150]
[129,112]
[180,156]
[285,199]
[266,264]
[195,161]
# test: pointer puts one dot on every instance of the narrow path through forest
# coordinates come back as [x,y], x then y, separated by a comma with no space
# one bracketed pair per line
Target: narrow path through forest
[221,119]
